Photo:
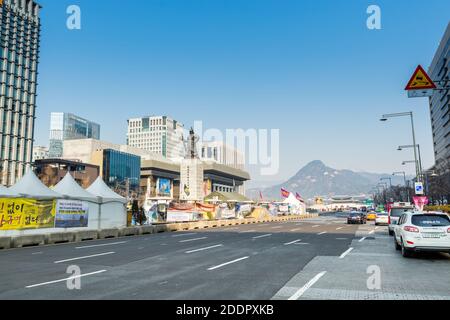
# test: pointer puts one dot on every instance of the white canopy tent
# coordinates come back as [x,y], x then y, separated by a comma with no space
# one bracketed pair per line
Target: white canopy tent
[297,206]
[112,211]
[31,187]
[7,193]
[70,189]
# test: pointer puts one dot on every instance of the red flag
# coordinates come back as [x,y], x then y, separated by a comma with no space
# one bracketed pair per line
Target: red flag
[285,193]
[299,197]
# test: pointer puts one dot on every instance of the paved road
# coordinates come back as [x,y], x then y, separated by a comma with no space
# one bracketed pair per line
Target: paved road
[240,262]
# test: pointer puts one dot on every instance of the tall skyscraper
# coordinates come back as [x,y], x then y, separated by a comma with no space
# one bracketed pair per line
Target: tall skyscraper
[67,126]
[440,101]
[19,55]
[158,134]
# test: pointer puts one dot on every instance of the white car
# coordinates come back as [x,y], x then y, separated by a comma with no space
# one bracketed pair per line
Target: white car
[382,219]
[394,214]
[418,231]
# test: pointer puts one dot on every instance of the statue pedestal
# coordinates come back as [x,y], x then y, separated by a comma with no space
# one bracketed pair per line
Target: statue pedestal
[191,180]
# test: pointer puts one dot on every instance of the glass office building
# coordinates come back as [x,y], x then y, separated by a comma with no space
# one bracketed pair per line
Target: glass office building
[440,102]
[121,171]
[19,54]
[67,126]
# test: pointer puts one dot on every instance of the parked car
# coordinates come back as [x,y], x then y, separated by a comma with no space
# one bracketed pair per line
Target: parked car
[418,232]
[382,218]
[396,211]
[356,218]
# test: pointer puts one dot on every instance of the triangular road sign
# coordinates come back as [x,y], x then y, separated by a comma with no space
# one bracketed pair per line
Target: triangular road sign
[420,80]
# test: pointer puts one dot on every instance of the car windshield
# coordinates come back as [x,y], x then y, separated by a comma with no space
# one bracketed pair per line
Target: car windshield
[430,220]
[397,212]
[354,214]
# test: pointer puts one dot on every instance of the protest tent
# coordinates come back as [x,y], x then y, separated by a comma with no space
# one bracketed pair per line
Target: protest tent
[71,190]
[31,187]
[7,193]
[112,211]
[297,207]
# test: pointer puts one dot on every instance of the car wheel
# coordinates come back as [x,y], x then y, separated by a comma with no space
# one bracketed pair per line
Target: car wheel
[405,252]
[391,233]
[397,246]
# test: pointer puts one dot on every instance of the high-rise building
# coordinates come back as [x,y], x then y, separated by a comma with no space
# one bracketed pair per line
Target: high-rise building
[39,153]
[222,153]
[67,126]
[158,134]
[19,55]
[440,101]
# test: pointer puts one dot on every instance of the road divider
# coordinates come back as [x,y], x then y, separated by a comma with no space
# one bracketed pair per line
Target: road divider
[58,236]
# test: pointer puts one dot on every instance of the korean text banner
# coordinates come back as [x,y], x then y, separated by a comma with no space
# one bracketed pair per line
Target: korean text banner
[20,214]
[71,214]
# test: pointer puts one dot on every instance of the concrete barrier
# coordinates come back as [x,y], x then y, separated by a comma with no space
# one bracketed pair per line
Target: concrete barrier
[59,237]
[108,233]
[5,242]
[28,240]
[147,230]
[128,231]
[86,235]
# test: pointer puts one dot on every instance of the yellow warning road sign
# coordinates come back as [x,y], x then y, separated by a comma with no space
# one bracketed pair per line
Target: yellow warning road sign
[420,80]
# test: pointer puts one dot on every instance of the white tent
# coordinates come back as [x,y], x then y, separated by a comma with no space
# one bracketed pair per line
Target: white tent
[70,189]
[297,207]
[112,210]
[31,187]
[6,193]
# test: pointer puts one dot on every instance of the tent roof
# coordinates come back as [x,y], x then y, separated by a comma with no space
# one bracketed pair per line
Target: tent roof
[6,193]
[227,196]
[292,200]
[31,187]
[100,189]
[71,189]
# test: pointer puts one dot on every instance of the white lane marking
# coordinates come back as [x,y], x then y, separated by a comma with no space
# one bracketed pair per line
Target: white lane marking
[194,239]
[62,280]
[277,227]
[85,257]
[339,228]
[183,235]
[247,231]
[316,226]
[341,238]
[302,243]
[227,263]
[298,224]
[310,283]
[101,245]
[34,253]
[362,239]
[321,233]
[376,228]
[296,229]
[292,242]
[371,232]
[263,236]
[342,256]
[205,248]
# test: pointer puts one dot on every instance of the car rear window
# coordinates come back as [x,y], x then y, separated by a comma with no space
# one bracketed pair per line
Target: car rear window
[382,214]
[354,214]
[430,220]
[397,212]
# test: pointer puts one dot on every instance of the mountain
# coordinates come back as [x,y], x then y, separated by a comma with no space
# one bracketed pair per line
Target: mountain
[316,179]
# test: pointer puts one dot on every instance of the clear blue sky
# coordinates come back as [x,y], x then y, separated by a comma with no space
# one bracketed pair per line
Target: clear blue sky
[310,68]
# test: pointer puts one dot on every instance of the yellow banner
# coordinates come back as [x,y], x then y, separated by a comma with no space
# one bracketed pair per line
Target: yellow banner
[20,214]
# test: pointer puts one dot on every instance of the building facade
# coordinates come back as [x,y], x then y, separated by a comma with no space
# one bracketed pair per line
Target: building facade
[39,153]
[158,134]
[52,171]
[121,171]
[67,126]
[19,57]
[221,153]
[439,72]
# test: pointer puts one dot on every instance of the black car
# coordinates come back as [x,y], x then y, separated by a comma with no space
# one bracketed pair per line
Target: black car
[356,218]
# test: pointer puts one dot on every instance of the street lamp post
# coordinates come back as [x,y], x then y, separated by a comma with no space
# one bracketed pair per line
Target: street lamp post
[404,179]
[385,117]
[390,180]
[400,148]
